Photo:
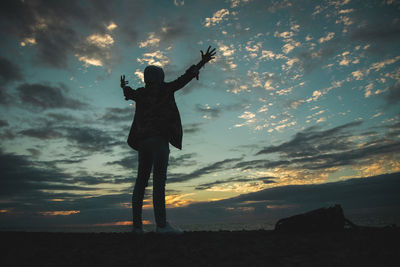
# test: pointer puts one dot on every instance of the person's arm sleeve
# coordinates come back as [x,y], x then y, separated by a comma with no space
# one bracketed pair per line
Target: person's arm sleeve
[179,83]
[129,93]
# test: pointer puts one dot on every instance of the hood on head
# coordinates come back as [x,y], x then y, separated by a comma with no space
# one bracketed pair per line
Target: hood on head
[153,75]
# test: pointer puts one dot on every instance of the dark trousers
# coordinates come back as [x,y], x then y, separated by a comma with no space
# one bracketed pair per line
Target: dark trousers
[153,153]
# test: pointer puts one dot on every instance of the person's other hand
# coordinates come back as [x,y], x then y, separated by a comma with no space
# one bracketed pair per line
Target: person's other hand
[123,82]
[208,55]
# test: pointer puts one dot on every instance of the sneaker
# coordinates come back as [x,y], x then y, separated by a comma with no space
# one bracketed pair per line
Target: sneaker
[138,231]
[168,229]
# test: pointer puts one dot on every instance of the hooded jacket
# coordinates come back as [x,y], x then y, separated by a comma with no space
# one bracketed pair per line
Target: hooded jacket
[156,111]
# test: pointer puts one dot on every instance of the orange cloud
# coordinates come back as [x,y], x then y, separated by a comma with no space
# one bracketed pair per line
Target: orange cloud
[60,212]
[121,223]
[173,201]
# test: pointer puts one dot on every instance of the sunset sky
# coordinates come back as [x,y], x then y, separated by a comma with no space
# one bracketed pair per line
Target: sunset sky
[301,93]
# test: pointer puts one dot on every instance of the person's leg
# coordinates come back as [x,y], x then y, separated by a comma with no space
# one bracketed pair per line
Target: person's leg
[160,164]
[145,163]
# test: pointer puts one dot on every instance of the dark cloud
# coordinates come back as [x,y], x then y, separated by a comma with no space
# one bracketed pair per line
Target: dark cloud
[85,139]
[372,196]
[205,186]
[394,94]
[43,134]
[90,139]
[376,33]
[34,152]
[21,175]
[62,117]
[182,160]
[65,161]
[118,114]
[47,97]
[128,162]
[173,28]
[211,168]
[7,135]
[372,192]
[3,123]
[394,130]
[314,149]
[208,111]
[89,180]
[311,141]
[48,22]
[192,128]
[9,72]
[310,60]
[54,26]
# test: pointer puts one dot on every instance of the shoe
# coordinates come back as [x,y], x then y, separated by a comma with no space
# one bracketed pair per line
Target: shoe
[168,229]
[138,231]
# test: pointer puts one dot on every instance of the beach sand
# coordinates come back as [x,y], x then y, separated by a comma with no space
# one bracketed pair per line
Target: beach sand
[366,247]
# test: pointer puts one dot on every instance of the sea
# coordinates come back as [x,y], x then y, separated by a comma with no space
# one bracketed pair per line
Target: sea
[361,220]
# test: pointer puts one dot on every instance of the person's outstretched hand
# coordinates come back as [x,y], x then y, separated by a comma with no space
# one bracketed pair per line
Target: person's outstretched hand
[123,86]
[123,82]
[208,55]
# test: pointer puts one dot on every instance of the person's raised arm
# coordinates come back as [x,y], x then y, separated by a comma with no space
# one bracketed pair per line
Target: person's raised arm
[193,71]
[129,93]
[205,58]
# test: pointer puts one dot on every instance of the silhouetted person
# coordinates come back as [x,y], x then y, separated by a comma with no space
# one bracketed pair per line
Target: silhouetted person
[156,123]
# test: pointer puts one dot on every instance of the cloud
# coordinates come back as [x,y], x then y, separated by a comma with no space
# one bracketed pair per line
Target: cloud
[90,139]
[211,168]
[174,28]
[112,26]
[249,118]
[311,142]
[61,117]
[207,186]
[373,196]
[95,50]
[192,128]
[376,33]
[236,3]
[20,175]
[184,160]
[169,29]
[152,40]
[128,162]
[3,123]
[47,97]
[309,60]
[208,112]
[56,29]
[157,58]
[358,74]
[179,2]
[315,151]
[43,133]
[9,72]
[218,17]
[394,94]
[118,115]
[46,24]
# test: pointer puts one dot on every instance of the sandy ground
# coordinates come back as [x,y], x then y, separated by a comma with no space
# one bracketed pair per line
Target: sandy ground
[367,247]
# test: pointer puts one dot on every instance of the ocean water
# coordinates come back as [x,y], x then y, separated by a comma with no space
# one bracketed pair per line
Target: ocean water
[358,219]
